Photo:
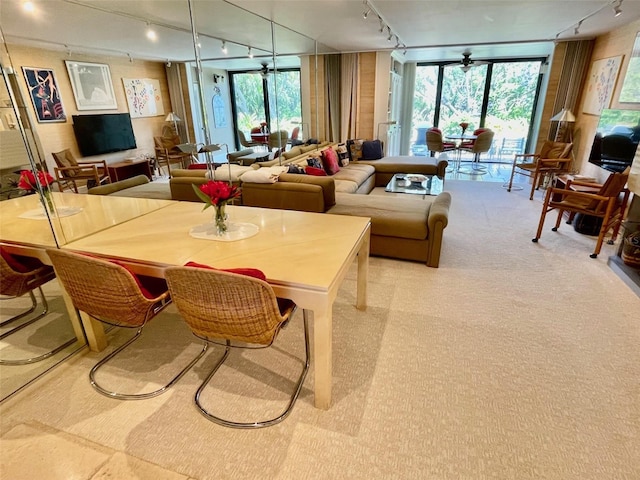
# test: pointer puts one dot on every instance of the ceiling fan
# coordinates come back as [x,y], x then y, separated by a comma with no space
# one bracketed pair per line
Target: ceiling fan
[466,63]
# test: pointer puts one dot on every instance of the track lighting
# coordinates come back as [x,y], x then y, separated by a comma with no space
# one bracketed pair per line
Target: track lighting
[617,10]
[28,7]
[249,52]
[576,30]
[366,13]
[370,10]
[224,47]
[151,34]
[390,34]
[168,63]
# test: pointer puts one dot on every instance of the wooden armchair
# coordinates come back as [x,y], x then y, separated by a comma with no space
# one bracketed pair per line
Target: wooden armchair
[605,204]
[69,171]
[167,153]
[554,158]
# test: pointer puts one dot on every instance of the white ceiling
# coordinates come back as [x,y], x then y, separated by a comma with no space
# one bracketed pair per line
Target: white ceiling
[431,30]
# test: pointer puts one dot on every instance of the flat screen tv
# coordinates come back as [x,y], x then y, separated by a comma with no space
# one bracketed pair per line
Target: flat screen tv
[103,133]
[616,140]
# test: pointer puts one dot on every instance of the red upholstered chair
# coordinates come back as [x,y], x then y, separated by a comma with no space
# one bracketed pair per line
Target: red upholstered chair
[112,294]
[21,275]
[435,143]
[235,310]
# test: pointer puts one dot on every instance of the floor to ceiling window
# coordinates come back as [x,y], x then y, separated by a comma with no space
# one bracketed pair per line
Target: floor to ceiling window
[498,95]
[266,96]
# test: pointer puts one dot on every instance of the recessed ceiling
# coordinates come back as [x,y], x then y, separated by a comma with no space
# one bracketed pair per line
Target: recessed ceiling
[423,30]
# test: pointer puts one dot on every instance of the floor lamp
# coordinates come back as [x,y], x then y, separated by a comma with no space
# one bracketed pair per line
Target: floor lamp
[215,147]
[173,118]
[564,118]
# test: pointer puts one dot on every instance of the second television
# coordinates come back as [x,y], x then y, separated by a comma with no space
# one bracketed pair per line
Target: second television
[103,133]
[616,139]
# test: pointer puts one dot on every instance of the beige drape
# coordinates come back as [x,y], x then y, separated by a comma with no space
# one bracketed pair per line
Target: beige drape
[332,97]
[349,95]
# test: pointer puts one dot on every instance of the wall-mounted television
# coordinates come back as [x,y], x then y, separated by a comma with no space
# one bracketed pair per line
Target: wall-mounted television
[616,139]
[103,133]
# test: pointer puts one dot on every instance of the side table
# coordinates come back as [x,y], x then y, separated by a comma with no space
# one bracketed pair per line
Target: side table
[129,168]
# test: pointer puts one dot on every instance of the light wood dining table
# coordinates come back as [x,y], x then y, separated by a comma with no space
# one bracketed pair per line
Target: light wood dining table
[305,257]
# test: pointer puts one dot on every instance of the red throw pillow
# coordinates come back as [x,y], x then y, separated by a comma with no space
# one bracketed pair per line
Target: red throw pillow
[20,263]
[318,172]
[330,161]
[150,287]
[249,272]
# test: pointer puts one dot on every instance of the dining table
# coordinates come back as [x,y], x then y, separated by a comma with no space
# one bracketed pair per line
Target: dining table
[458,141]
[305,257]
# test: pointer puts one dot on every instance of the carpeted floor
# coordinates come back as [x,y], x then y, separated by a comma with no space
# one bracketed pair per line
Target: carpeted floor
[513,360]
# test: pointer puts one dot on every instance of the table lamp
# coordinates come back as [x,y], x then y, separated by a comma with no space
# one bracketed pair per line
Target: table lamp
[563,117]
[173,118]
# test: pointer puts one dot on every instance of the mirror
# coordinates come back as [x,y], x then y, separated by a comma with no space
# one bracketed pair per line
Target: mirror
[169,60]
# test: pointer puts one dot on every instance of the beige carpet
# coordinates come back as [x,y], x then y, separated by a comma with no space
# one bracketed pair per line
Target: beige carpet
[513,360]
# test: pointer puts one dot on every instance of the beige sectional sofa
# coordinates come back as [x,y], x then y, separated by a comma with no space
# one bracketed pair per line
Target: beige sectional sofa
[402,226]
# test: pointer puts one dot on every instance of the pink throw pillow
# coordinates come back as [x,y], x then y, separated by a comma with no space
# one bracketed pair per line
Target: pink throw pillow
[330,161]
[318,172]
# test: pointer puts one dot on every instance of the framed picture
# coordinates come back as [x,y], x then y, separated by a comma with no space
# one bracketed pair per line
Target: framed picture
[600,84]
[217,105]
[630,92]
[45,95]
[143,97]
[91,84]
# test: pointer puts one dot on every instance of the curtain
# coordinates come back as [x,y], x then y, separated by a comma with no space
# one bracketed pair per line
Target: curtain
[406,116]
[332,96]
[574,69]
[177,101]
[349,95]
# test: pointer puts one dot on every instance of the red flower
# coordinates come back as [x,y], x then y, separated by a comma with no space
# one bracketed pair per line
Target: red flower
[216,192]
[28,181]
[464,125]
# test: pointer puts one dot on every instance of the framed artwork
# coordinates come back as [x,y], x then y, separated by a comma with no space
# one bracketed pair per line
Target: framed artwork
[143,97]
[45,95]
[217,105]
[600,84]
[91,85]
[630,92]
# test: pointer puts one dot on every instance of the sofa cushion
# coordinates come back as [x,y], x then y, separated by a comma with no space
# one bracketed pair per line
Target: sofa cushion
[222,172]
[330,161]
[390,216]
[263,175]
[355,172]
[314,162]
[318,172]
[372,150]
[110,188]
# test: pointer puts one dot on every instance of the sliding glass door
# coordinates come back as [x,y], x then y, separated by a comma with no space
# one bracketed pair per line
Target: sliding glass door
[498,95]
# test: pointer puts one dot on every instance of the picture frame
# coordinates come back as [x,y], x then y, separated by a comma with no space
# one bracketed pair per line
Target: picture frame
[44,94]
[600,84]
[143,97]
[630,92]
[218,109]
[91,85]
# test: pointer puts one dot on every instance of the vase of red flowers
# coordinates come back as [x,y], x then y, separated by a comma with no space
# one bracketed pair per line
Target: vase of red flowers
[217,194]
[464,126]
[28,181]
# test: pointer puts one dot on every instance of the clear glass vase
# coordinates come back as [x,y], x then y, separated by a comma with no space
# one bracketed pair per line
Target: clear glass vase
[221,219]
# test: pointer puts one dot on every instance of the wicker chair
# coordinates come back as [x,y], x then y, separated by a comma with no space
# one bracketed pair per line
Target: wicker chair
[604,204]
[112,294]
[234,310]
[21,275]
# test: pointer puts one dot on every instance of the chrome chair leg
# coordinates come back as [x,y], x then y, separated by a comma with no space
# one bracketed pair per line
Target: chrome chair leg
[137,396]
[265,423]
[34,304]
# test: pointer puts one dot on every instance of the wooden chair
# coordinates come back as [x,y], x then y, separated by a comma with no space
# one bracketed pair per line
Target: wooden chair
[69,171]
[112,294]
[21,275]
[605,204]
[235,310]
[168,153]
[554,158]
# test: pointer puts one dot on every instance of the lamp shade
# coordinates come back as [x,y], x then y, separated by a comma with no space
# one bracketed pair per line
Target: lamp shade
[564,116]
[172,117]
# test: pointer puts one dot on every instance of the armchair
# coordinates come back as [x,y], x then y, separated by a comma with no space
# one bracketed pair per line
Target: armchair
[435,142]
[605,204]
[554,158]
[278,139]
[69,171]
[167,152]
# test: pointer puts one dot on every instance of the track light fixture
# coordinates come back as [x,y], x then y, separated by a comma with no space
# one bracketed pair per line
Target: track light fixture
[576,30]
[249,52]
[151,34]
[224,47]
[617,10]
[369,10]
